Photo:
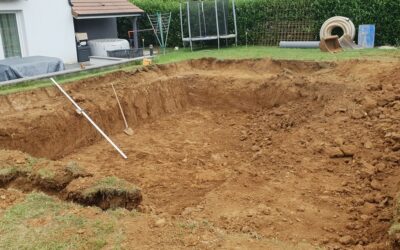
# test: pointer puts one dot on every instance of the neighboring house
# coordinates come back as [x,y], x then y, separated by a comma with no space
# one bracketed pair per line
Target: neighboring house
[48,27]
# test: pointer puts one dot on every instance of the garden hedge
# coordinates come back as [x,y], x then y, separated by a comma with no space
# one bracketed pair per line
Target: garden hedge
[385,14]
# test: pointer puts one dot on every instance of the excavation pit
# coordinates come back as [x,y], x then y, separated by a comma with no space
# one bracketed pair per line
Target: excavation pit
[284,149]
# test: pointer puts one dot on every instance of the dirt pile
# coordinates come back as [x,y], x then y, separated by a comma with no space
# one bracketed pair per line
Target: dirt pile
[254,148]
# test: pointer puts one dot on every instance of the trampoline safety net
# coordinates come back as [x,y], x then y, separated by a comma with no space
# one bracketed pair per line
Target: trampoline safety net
[208,20]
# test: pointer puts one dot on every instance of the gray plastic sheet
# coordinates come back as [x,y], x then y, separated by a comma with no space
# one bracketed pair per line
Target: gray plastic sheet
[14,68]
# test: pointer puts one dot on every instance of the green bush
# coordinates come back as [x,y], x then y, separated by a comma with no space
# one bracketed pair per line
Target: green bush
[252,14]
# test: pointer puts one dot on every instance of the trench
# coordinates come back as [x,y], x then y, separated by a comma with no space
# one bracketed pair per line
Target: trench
[60,132]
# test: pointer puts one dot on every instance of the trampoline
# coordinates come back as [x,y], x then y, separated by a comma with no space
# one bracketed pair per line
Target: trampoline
[208,20]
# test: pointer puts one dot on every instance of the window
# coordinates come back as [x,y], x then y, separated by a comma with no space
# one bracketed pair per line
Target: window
[11,44]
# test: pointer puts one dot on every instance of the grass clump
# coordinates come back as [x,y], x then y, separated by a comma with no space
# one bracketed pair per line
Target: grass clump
[394,235]
[7,174]
[108,192]
[10,171]
[32,161]
[110,184]
[7,171]
[42,222]
[75,170]
[45,173]
[394,229]
[191,225]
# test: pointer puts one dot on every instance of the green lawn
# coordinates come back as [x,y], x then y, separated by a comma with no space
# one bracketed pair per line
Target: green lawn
[29,85]
[44,222]
[240,52]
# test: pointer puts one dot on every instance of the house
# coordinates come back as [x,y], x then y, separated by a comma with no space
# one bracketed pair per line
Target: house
[48,27]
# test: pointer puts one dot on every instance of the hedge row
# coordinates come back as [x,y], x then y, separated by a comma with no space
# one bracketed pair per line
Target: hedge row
[252,14]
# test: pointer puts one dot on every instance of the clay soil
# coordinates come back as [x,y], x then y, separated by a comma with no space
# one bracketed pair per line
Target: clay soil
[240,154]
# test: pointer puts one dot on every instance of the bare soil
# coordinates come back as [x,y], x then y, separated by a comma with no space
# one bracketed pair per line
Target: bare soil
[259,149]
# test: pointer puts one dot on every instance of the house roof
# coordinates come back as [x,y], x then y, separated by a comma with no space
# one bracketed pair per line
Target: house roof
[99,8]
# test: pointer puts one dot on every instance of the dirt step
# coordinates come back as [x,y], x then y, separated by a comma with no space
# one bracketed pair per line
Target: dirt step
[24,172]
[106,193]
[67,181]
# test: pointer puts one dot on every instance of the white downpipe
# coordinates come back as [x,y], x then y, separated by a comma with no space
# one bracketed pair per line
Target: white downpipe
[89,119]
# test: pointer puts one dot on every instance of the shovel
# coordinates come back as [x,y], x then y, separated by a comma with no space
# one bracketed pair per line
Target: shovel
[127,129]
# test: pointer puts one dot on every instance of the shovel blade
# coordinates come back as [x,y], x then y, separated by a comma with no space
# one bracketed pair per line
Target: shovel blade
[128,131]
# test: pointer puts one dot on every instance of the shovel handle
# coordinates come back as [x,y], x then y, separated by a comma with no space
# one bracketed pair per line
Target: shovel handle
[120,107]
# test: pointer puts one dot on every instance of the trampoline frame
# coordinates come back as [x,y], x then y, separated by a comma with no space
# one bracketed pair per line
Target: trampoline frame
[218,37]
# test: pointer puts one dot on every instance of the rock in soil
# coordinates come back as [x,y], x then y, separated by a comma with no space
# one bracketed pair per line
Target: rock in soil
[346,240]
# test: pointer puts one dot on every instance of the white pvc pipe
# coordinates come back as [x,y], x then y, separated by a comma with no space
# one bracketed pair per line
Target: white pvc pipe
[299,44]
[89,119]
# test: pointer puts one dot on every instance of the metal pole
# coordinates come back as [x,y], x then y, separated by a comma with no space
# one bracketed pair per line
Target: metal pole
[169,21]
[190,32]
[225,24]
[198,9]
[234,22]
[135,33]
[181,18]
[154,29]
[216,20]
[81,111]
[160,24]
[204,18]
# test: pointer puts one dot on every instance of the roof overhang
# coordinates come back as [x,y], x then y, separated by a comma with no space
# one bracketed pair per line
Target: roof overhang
[91,9]
[106,16]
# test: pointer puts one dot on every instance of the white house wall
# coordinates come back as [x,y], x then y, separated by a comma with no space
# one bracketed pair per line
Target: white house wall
[47,27]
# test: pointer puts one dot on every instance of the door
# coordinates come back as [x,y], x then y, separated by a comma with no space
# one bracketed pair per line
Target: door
[9,33]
